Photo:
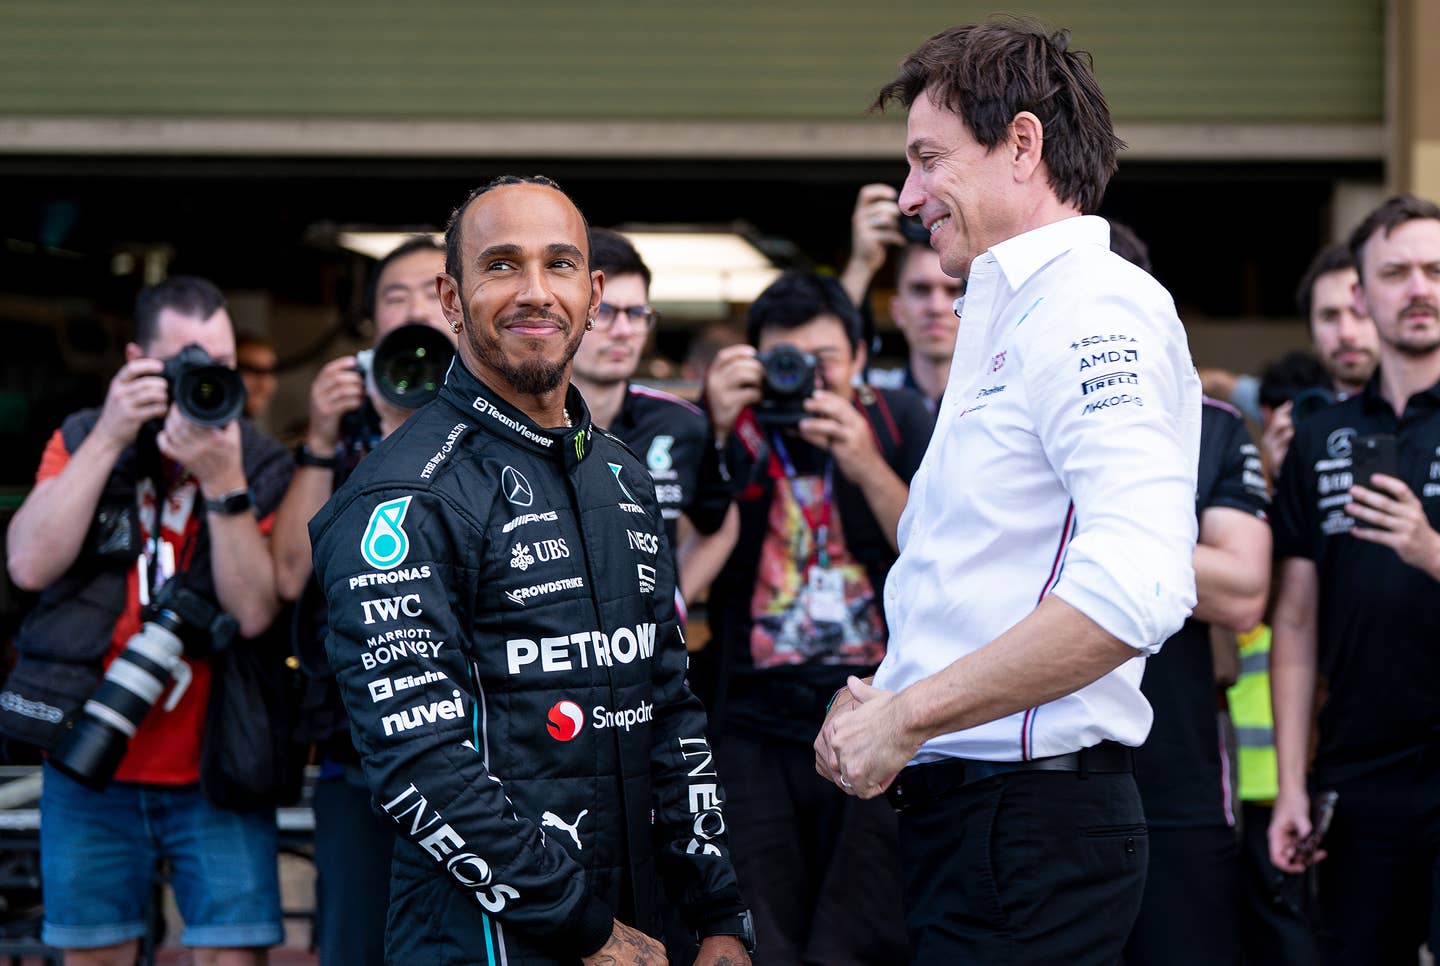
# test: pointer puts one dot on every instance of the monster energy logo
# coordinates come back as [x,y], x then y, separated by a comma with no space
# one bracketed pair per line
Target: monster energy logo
[385,543]
[580,444]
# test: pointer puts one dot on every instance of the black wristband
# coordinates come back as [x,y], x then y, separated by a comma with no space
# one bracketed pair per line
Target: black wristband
[232,504]
[305,456]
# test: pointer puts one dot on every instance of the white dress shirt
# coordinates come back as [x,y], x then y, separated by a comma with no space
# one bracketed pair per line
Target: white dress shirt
[1063,462]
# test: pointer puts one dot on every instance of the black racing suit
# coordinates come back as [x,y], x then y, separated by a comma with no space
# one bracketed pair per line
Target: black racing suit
[503,634]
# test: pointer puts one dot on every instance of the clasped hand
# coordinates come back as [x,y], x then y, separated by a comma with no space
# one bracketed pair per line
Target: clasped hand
[864,742]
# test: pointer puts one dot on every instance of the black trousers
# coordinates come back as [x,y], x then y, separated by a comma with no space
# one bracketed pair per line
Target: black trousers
[1275,908]
[819,869]
[1025,867]
[352,865]
[1380,884]
[1190,913]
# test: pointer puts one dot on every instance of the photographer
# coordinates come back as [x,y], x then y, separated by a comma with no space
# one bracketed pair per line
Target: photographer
[352,885]
[1357,511]
[797,608]
[923,306]
[86,538]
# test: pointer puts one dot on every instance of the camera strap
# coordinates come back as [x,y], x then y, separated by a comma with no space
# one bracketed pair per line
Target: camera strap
[817,519]
[161,562]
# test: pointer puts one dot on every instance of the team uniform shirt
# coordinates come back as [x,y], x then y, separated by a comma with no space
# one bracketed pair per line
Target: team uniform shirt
[1377,619]
[1063,462]
[673,437]
[1183,770]
[166,747]
[503,634]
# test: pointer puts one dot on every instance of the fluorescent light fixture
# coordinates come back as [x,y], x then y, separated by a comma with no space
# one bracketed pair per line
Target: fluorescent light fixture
[378,244]
[708,267]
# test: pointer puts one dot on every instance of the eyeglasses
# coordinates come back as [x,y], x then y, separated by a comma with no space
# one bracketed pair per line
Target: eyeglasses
[640,316]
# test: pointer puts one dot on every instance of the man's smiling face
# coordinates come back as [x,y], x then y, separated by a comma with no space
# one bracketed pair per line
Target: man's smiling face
[525,289]
[961,190]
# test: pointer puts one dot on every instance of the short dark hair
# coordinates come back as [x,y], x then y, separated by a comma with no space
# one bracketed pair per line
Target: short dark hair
[453,227]
[411,245]
[989,72]
[797,297]
[612,253]
[1331,258]
[1391,214]
[1286,377]
[903,256]
[1125,243]
[187,294]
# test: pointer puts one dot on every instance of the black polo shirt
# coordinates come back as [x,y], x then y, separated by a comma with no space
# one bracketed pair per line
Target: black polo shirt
[1378,624]
[1181,771]
[672,437]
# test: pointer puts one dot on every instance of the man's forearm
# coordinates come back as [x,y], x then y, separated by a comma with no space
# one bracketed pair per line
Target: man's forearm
[244,572]
[885,494]
[309,490]
[1053,652]
[1292,700]
[1230,591]
[48,531]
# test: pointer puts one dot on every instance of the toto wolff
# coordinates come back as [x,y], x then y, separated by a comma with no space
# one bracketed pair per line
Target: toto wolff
[503,633]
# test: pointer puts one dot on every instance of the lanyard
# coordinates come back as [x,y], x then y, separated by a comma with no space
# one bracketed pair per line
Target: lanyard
[819,521]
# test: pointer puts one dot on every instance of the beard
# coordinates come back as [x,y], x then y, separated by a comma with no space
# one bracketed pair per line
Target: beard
[530,377]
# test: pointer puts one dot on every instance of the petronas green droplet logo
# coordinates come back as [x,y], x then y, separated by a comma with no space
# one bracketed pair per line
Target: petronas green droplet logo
[385,544]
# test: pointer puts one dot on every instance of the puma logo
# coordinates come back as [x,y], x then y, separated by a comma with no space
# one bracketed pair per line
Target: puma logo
[551,820]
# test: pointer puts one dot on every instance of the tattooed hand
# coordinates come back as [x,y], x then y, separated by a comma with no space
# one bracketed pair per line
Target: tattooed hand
[722,951]
[628,947]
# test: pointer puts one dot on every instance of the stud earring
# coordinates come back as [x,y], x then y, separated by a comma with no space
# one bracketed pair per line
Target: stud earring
[589,325]
[454,326]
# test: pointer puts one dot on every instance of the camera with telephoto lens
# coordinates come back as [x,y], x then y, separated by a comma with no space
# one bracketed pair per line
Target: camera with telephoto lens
[408,367]
[205,391]
[180,622]
[788,381]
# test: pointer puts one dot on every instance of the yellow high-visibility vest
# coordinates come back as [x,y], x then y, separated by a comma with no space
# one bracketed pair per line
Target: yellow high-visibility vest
[1250,713]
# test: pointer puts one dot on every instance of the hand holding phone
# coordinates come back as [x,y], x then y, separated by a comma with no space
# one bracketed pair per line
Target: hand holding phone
[1373,454]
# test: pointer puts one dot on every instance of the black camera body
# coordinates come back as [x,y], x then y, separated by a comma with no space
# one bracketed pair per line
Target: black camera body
[205,391]
[180,622]
[789,380]
[408,366]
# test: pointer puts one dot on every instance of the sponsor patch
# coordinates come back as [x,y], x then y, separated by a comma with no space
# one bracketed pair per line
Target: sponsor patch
[391,608]
[565,721]
[385,543]
[549,516]
[455,433]
[646,575]
[516,487]
[521,594]
[390,577]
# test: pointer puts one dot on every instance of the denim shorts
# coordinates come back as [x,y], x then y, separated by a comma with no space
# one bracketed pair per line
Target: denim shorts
[98,852]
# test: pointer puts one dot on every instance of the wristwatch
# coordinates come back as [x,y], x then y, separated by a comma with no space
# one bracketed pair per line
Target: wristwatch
[305,456]
[741,926]
[231,504]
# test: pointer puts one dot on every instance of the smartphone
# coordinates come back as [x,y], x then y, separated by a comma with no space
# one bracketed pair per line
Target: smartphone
[1373,454]
[1322,813]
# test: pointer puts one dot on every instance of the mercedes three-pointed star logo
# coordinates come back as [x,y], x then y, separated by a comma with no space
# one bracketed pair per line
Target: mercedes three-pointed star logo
[515,487]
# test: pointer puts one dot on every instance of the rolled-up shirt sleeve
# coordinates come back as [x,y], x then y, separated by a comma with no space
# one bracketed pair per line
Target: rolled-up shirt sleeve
[1118,418]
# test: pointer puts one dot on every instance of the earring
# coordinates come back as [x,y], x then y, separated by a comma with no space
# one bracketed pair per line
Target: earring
[590,325]
[454,326]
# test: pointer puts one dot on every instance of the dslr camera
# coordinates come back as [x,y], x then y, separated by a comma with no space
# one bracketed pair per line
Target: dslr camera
[789,380]
[179,622]
[205,391]
[408,367]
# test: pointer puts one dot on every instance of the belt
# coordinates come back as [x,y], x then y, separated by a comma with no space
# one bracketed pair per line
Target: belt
[918,784]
